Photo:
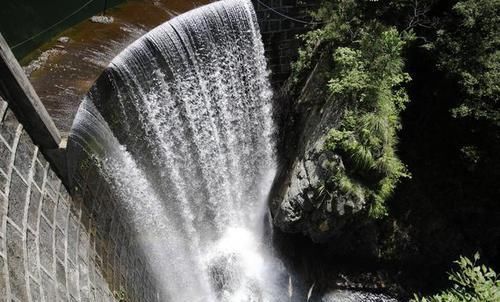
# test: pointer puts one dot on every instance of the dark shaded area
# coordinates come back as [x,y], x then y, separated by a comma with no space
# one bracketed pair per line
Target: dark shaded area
[22,19]
[450,205]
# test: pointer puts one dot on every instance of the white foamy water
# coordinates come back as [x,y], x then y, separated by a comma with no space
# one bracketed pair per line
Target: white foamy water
[180,124]
[180,128]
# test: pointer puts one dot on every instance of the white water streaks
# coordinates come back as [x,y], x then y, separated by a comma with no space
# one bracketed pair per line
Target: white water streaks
[181,126]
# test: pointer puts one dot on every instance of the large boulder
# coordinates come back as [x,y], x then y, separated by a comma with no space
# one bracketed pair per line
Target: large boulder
[299,201]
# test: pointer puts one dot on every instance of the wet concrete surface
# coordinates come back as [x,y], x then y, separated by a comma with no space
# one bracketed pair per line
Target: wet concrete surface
[64,69]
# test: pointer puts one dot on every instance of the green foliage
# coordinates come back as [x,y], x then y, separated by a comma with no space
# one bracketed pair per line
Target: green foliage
[469,50]
[120,295]
[471,154]
[369,77]
[343,22]
[455,162]
[338,19]
[474,283]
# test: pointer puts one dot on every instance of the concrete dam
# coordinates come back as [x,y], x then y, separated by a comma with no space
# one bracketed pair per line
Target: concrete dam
[147,177]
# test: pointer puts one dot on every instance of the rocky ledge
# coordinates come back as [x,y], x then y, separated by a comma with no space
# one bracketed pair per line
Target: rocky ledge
[299,201]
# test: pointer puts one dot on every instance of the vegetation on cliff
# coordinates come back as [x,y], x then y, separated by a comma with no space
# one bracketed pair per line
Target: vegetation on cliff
[470,55]
[368,78]
[447,136]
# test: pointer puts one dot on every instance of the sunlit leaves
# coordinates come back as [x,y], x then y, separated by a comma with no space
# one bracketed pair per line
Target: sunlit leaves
[369,76]
[469,51]
[472,282]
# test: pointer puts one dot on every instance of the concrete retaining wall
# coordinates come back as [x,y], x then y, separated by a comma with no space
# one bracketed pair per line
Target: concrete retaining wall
[280,33]
[54,247]
[60,247]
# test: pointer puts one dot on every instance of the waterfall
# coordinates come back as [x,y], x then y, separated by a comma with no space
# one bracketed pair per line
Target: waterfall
[180,128]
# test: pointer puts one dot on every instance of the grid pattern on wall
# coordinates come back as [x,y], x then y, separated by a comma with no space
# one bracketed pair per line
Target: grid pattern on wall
[279,33]
[54,247]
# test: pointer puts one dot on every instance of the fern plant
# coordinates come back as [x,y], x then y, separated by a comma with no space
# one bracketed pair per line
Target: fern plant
[369,77]
[120,295]
[472,282]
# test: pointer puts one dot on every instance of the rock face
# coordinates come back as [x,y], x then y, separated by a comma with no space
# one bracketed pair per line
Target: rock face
[299,201]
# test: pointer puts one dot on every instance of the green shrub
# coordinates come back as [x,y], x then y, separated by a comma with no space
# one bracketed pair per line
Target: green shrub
[474,283]
[468,49]
[338,17]
[367,80]
[369,76]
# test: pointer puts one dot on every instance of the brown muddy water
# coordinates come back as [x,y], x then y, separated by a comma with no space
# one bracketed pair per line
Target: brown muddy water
[64,69]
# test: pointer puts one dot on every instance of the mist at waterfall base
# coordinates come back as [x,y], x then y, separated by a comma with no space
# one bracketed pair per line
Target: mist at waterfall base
[180,128]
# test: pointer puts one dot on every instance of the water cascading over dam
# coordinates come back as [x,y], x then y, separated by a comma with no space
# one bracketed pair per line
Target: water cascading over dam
[180,128]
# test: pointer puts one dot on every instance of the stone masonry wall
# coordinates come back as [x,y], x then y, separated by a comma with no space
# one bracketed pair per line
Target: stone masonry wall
[54,247]
[279,33]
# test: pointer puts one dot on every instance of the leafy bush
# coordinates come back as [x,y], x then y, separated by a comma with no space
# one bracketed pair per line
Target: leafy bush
[474,283]
[338,19]
[368,78]
[468,47]
[343,22]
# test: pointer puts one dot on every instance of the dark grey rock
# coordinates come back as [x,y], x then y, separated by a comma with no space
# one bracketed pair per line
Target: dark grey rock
[60,243]
[15,263]
[39,174]
[24,155]
[62,215]
[17,199]
[49,290]
[299,202]
[35,291]
[3,279]
[35,197]
[31,247]
[8,127]
[45,244]
[48,207]
[5,155]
